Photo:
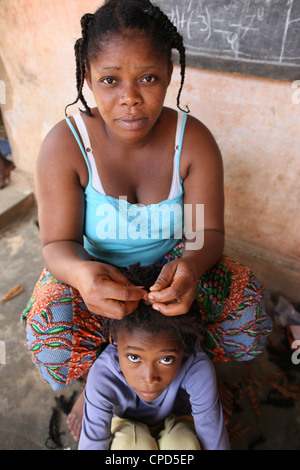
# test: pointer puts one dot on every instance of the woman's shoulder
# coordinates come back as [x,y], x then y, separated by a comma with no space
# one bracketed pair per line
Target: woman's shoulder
[199,144]
[58,136]
[59,148]
[194,127]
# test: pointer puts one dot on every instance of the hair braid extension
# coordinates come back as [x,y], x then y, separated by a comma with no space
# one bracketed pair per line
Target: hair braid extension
[80,55]
[176,43]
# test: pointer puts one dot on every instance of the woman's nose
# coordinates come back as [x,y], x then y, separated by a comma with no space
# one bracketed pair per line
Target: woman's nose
[130,96]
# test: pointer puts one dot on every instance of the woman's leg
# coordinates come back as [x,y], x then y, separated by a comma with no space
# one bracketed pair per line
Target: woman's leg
[232,309]
[131,435]
[232,306]
[63,337]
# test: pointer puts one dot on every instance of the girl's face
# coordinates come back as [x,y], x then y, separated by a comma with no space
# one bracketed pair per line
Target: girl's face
[129,81]
[149,363]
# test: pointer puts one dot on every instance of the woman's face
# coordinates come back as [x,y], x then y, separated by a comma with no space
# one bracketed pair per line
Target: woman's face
[129,81]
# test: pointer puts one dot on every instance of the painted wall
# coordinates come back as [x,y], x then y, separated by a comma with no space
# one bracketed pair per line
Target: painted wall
[255,121]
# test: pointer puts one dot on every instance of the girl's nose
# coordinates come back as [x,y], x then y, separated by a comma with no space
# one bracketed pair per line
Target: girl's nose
[149,375]
[130,96]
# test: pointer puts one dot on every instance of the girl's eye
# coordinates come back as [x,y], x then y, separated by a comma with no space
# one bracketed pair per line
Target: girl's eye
[133,358]
[167,360]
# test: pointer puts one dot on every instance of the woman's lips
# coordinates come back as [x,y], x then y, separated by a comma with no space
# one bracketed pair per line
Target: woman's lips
[131,123]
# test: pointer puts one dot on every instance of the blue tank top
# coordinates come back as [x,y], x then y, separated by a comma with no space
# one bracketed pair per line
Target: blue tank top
[120,233]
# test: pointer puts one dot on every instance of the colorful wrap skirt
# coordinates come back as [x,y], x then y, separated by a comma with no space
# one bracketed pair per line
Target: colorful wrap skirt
[65,339]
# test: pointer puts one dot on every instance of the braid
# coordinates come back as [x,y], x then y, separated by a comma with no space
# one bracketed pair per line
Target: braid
[181,49]
[176,43]
[80,55]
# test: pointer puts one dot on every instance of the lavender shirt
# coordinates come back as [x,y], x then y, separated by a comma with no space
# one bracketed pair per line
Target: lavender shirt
[193,391]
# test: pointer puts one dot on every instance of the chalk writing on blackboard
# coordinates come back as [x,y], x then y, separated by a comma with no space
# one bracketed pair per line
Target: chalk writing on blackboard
[259,31]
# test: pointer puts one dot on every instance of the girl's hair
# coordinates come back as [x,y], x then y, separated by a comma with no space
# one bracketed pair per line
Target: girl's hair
[187,328]
[112,19]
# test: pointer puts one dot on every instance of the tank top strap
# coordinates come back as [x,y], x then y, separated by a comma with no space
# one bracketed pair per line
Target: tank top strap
[87,151]
[176,179]
[181,122]
[74,132]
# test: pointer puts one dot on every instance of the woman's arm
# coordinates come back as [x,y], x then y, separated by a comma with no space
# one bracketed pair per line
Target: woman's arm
[61,174]
[201,168]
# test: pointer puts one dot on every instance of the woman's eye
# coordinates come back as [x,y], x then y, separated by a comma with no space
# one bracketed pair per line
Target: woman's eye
[108,81]
[133,358]
[166,360]
[149,79]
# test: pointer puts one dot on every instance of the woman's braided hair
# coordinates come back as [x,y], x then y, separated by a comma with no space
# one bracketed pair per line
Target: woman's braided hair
[112,19]
[187,328]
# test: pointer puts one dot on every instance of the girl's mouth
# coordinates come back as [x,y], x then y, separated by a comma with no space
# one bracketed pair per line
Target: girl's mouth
[149,395]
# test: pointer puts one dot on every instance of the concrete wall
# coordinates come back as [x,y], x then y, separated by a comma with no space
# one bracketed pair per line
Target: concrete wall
[256,125]
[38,66]
[255,122]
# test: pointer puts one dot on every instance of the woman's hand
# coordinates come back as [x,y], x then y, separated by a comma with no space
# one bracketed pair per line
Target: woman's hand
[175,288]
[107,292]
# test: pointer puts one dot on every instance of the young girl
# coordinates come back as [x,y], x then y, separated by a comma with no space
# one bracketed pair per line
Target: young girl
[153,387]
[113,184]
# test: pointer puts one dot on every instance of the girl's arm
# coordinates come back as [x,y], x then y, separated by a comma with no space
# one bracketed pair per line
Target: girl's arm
[201,385]
[98,407]
[201,168]
[61,174]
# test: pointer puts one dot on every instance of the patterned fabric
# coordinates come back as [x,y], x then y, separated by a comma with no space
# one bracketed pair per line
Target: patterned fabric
[65,338]
[232,308]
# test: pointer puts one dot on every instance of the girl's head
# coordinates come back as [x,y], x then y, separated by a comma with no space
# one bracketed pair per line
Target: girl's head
[117,18]
[187,329]
[150,344]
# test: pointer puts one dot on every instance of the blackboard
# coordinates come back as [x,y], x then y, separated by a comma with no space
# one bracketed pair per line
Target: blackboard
[253,37]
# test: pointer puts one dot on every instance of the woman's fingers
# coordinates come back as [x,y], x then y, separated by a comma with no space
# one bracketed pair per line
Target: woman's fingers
[111,294]
[175,289]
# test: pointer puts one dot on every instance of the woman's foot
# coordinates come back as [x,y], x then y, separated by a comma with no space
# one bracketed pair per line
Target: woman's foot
[74,418]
